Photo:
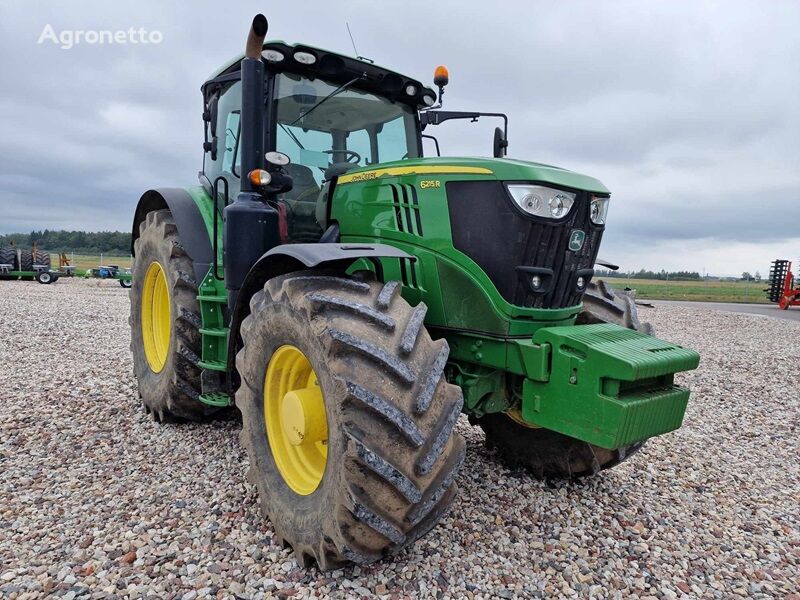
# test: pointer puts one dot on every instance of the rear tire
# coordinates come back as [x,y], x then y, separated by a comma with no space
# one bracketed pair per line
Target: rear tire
[604,304]
[551,455]
[392,454]
[173,391]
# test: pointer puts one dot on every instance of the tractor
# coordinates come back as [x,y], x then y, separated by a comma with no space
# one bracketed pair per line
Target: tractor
[352,298]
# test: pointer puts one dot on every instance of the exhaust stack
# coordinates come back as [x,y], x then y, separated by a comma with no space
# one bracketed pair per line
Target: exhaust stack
[255,39]
[251,225]
[252,142]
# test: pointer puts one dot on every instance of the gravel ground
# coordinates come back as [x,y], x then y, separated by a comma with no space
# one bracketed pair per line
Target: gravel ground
[98,500]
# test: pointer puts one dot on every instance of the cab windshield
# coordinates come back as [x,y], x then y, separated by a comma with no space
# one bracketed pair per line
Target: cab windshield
[352,126]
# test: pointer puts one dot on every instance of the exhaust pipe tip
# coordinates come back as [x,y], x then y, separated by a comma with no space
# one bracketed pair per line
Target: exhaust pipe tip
[255,39]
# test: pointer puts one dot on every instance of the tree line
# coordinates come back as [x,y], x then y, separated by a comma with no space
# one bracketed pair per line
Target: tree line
[116,243]
[645,274]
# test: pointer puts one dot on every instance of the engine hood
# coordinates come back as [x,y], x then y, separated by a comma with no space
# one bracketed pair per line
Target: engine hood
[502,169]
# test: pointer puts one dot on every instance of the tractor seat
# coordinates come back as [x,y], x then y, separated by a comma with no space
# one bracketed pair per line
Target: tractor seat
[335,170]
[304,186]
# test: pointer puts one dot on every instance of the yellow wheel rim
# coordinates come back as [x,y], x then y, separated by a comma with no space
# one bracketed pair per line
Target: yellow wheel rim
[156,317]
[294,415]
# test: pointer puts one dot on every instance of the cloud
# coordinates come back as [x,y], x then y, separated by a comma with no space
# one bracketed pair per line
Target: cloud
[685,110]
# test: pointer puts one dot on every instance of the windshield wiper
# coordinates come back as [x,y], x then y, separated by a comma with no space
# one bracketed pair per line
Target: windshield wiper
[292,135]
[338,90]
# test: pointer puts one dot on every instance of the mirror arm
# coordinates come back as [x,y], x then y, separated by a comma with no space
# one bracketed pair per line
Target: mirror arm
[437,117]
[435,141]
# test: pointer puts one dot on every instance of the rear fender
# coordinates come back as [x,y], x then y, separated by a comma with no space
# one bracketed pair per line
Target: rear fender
[193,231]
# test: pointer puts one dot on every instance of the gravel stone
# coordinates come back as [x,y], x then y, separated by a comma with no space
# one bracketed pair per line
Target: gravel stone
[99,501]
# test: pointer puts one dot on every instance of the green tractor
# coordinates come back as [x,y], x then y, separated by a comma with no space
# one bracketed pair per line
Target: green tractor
[351,299]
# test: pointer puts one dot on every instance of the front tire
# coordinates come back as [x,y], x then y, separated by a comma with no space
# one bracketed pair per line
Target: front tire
[551,455]
[165,323]
[391,454]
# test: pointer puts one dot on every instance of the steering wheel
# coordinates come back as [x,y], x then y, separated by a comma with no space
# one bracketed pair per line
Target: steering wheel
[349,155]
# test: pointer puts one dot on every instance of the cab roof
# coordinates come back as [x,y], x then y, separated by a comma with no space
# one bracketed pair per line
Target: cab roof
[336,68]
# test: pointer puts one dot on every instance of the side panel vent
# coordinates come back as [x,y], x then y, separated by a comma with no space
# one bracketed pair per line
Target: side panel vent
[406,209]
[408,273]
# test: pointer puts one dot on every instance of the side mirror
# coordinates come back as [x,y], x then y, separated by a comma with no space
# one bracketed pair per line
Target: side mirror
[500,145]
[210,117]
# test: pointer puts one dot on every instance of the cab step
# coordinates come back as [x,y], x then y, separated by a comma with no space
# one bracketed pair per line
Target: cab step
[216,399]
[213,299]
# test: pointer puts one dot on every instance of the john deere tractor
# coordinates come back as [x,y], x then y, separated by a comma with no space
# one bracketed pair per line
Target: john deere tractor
[351,298]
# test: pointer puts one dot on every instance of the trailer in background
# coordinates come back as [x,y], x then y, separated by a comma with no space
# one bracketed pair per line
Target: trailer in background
[34,264]
[110,272]
[16,263]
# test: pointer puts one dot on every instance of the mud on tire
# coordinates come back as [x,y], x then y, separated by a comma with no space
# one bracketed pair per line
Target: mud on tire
[392,454]
[173,392]
[551,455]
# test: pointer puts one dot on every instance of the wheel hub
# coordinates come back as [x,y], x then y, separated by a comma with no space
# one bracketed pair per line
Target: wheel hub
[156,317]
[295,420]
[303,416]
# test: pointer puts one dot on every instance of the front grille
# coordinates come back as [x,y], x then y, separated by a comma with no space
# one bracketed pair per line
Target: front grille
[492,231]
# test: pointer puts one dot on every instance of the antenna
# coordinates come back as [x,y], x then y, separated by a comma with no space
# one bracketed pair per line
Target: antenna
[358,56]
[350,33]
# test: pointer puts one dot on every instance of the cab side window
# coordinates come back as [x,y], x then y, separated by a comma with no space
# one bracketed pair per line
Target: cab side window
[228,129]
[231,159]
[358,141]
[393,139]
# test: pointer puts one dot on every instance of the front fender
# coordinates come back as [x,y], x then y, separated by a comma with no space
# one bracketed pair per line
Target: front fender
[287,258]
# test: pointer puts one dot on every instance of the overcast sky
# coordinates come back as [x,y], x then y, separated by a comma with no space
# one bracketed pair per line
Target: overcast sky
[688,111]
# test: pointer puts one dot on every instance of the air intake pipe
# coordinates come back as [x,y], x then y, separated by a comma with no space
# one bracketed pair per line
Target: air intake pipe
[251,225]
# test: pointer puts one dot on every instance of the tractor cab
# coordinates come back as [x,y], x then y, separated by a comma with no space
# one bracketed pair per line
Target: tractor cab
[329,114]
[326,112]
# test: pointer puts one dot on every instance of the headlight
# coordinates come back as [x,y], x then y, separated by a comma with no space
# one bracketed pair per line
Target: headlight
[542,201]
[598,208]
[271,55]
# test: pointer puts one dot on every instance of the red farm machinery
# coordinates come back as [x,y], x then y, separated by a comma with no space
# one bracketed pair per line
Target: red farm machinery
[782,285]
